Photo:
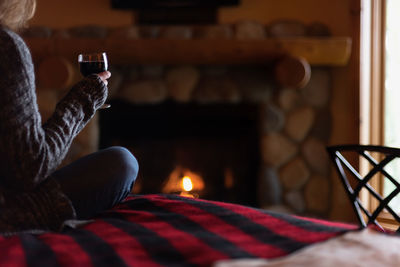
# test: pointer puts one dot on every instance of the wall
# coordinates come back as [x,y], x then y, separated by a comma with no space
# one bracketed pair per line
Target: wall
[340,15]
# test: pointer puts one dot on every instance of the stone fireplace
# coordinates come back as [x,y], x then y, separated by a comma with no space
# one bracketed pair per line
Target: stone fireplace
[263,141]
[283,130]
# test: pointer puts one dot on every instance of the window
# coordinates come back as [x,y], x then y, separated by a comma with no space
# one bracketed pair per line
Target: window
[380,84]
[392,88]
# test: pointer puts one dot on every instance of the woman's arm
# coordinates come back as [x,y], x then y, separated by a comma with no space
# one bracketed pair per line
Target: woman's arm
[30,151]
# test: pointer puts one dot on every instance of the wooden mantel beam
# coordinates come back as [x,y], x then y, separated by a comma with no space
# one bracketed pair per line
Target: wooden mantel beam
[334,51]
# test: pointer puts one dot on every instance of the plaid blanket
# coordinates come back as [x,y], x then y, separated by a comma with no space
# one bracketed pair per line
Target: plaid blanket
[168,230]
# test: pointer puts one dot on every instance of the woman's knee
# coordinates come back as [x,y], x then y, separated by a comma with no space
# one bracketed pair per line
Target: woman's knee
[123,162]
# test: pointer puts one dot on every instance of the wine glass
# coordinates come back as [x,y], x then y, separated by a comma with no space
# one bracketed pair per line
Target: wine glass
[93,63]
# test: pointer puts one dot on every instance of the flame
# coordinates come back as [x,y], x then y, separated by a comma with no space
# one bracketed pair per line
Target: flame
[187,184]
[183,181]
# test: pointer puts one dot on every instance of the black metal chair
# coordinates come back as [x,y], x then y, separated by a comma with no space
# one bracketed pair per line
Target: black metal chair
[378,157]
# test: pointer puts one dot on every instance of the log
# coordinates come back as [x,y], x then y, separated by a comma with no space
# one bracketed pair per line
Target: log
[292,72]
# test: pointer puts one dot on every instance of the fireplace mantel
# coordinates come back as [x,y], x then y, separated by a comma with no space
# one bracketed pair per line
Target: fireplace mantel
[332,51]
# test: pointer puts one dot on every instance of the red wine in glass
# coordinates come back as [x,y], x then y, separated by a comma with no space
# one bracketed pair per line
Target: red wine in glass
[93,63]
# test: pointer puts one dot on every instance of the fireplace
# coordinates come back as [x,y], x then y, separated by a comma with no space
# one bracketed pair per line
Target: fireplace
[214,145]
[186,98]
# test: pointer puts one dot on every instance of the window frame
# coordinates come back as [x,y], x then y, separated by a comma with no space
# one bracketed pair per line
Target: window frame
[372,91]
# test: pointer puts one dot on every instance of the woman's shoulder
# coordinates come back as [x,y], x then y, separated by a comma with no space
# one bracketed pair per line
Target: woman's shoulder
[7,34]
[14,53]
[5,31]
[11,40]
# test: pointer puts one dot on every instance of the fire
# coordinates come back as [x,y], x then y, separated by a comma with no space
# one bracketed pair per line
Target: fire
[187,184]
[184,182]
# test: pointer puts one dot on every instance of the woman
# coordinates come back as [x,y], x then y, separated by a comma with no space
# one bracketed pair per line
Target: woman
[33,196]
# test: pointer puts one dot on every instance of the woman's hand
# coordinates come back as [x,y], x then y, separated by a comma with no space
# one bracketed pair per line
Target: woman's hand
[104,76]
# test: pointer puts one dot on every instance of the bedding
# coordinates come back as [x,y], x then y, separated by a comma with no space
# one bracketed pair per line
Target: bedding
[169,230]
[366,248]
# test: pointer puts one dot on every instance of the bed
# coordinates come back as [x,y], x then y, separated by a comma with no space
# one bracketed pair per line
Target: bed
[170,230]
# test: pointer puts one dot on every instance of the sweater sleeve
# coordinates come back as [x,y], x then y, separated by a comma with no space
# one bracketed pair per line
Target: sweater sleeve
[29,150]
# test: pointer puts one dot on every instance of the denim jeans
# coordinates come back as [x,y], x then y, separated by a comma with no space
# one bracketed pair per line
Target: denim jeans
[99,181]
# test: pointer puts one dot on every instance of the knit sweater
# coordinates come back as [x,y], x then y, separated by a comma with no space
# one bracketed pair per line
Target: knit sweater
[31,150]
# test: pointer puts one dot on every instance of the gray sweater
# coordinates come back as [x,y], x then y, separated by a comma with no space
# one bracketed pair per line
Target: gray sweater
[31,150]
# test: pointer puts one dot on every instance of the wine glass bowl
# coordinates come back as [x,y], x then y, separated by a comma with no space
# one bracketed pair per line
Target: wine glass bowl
[93,63]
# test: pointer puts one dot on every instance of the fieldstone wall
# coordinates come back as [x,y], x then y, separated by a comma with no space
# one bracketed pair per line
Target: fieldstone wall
[295,122]
[296,169]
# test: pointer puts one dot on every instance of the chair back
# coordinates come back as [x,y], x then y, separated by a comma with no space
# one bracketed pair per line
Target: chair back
[381,161]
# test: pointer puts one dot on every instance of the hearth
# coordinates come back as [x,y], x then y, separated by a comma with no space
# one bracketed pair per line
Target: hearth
[215,145]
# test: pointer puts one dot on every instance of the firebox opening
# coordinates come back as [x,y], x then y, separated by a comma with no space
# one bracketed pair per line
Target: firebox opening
[219,143]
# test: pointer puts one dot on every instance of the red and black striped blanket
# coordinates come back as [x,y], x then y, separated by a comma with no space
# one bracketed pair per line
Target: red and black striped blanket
[168,230]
